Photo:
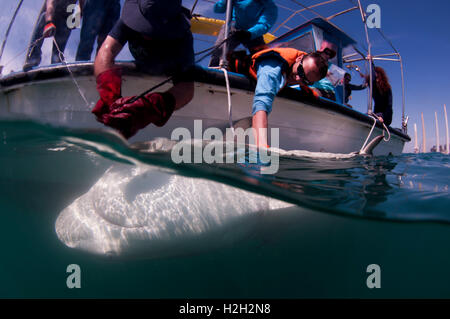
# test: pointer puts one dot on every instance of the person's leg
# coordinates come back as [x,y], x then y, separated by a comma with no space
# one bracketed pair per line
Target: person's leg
[61,36]
[255,45]
[33,57]
[93,16]
[112,10]
[217,54]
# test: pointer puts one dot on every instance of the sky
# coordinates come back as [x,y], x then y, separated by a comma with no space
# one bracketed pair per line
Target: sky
[418,30]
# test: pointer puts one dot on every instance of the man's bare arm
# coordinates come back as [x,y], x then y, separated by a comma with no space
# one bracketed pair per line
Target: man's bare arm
[106,55]
[50,11]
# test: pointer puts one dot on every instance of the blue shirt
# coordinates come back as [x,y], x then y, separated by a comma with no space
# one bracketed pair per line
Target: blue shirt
[270,80]
[324,84]
[257,17]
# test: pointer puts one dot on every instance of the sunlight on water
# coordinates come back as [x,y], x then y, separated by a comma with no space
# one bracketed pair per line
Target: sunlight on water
[82,195]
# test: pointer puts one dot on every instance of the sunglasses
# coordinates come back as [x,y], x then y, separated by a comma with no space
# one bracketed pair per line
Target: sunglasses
[302,75]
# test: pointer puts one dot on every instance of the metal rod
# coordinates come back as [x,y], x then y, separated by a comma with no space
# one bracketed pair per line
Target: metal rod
[224,61]
[349,55]
[386,59]
[9,28]
[386,54]
[404,124]
[369,57]
[301,10]
[373,58]
[416,143]
[342,12]
[446,129]
[424,136]
[438,146]
[355,60]
[193,7]
[357,50]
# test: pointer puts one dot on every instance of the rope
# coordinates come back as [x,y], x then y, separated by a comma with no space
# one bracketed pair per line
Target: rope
[230,116]
[389,133]
[30,48]
[370,133]
[375,118]
[63,60]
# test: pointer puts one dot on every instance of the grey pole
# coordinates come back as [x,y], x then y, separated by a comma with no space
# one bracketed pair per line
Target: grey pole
[223,61]
[8,30]
[369,57]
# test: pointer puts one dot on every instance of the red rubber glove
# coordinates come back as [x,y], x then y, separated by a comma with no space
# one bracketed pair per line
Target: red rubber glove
[129,118]
[49,30]
[109,85]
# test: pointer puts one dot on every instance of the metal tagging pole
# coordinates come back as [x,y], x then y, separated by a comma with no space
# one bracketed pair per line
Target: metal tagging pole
[8,30]
[223,60]
[369,57]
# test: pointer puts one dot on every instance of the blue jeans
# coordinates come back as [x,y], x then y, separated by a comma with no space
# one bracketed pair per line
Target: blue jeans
[62,34]
[99,16]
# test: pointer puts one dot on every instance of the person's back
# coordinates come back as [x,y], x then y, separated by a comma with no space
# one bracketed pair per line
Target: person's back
[99,16]
[382,95]
[248,13]
[251,20]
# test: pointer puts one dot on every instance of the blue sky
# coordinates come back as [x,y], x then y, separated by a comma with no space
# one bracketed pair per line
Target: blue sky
[418,29]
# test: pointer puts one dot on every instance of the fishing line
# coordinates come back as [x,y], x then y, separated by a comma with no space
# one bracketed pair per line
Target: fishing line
[27,48]
[63,60]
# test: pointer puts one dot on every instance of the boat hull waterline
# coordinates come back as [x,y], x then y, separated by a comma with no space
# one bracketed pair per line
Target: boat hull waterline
[302,125]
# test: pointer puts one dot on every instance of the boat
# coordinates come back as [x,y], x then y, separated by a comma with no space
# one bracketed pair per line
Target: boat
[63,95]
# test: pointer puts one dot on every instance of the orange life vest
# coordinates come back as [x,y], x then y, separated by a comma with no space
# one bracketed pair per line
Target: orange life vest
[289,55]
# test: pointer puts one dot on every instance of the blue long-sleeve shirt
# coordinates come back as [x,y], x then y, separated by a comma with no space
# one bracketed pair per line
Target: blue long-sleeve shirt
[270,81]
[257,17]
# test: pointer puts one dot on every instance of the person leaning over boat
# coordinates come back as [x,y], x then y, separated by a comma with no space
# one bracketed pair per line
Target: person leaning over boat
[52,22]
[325,87]
[159,38]
[348,87]
[250,21]
[99,16]
[275,68]
[382,95]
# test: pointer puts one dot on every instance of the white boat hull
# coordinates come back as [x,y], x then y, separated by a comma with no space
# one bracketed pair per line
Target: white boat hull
[301,126]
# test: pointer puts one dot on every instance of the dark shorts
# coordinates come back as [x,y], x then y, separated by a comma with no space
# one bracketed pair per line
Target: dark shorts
[171,57]
[168,57]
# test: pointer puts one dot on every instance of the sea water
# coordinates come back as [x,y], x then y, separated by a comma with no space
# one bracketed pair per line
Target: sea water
[139,226]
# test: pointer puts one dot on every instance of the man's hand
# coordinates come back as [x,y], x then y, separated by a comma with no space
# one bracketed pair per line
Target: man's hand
[49,30]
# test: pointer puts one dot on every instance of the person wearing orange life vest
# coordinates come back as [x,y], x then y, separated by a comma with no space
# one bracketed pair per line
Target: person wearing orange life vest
[160,40]
[275,68]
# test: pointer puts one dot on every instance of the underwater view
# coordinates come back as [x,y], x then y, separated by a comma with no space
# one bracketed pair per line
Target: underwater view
[200,154]
[140,226]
